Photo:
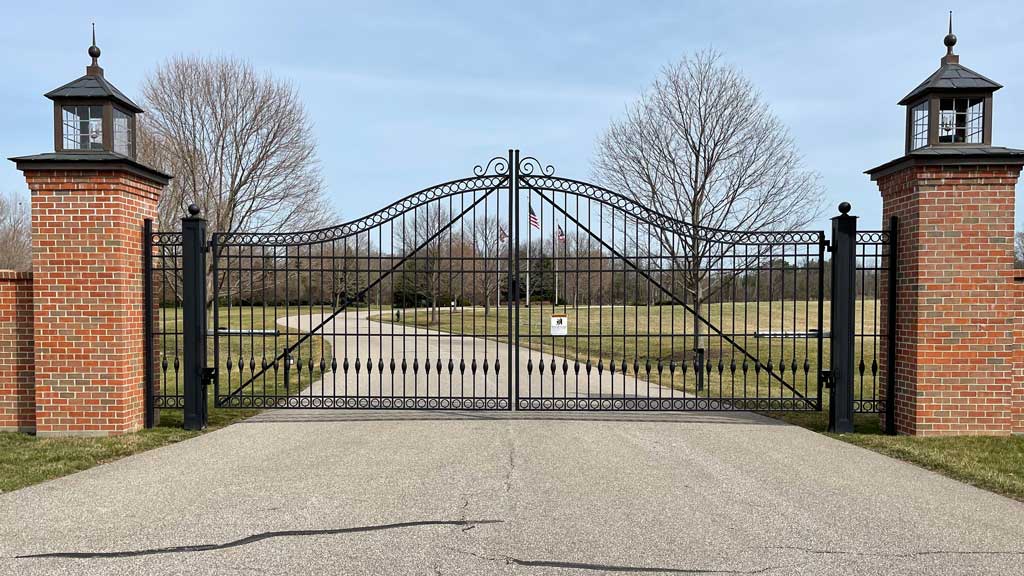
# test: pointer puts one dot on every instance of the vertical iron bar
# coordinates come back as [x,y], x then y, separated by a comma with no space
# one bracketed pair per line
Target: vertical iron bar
[512,369]
[821,316]
[890,321]
[147,318]
[214,251]
[193,231]
[844,257]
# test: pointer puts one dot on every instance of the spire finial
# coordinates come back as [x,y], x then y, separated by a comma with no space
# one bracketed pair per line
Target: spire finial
[94,52]
[950,39]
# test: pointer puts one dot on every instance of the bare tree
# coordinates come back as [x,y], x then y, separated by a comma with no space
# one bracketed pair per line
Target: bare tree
[427,234]
[238,143]
[702,146]
[1018,250]
[15,233]
[490,244]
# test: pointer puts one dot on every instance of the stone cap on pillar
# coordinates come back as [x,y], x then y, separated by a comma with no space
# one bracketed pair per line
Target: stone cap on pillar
[90,161]
[950,156]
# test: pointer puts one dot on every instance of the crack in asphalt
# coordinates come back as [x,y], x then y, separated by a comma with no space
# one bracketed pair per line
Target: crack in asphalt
[900,554]
[621,568]
[258,537]
[511,466]
[511,560]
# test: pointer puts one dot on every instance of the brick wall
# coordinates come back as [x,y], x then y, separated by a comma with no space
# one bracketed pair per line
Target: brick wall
[17,395]
[956,300]
[87,293]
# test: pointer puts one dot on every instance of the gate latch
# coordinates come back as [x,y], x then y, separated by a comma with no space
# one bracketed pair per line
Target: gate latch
[208,375]
[826,378]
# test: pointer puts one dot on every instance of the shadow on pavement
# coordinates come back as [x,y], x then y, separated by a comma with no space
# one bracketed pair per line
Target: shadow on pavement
[279,416]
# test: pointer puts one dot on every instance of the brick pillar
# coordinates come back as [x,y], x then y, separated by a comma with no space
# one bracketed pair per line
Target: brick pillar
[87,220]
[1018,357]
[956,298]
[17,383]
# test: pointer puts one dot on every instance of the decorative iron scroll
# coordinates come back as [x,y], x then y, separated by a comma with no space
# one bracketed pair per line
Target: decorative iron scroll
[654,218]
[482,183]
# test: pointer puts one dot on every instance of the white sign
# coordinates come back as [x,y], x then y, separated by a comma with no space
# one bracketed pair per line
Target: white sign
[559,325]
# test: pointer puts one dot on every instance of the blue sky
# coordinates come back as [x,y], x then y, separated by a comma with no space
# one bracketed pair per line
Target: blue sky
[407,94]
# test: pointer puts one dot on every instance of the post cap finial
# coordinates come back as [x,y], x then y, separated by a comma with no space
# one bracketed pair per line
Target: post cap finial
[950,39]
[94,53]
[844,208]
[193,210]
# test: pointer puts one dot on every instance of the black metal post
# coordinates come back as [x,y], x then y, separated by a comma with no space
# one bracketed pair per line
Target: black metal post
[513,282]
[892,268]
[193,256]
[844,261]
[147,320]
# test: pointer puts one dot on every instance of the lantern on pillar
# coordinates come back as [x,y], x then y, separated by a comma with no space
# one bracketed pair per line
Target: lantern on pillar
[91,115]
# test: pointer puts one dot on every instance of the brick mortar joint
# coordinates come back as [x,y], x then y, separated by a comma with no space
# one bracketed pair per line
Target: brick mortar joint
[15,276]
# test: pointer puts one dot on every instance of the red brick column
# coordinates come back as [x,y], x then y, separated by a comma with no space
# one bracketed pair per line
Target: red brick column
[17,382]
[956,298]
[87,291]
[1018,356]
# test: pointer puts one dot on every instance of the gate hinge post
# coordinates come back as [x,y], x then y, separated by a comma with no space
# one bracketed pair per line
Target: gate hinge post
[844,273]
[193,276]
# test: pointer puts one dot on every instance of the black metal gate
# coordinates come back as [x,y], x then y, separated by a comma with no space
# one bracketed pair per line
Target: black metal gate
[518,288]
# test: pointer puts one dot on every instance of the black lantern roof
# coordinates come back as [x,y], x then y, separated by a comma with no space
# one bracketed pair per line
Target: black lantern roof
[952,76]
[92,86]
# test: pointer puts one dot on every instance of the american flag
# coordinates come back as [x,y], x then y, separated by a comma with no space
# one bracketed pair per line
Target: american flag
[534,221]
[502,235]
[561,234]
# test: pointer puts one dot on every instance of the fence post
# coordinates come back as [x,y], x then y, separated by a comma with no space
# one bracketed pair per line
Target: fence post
[844,255]
[147,319]
[193,257]
[892,268]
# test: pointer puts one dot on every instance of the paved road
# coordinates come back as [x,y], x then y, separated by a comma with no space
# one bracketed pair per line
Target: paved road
[356,335]
[489,493]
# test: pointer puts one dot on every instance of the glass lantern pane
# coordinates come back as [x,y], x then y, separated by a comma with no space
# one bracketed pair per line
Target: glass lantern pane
[82,128]
[919,126]
[975,121]
[70,132]
[122,132]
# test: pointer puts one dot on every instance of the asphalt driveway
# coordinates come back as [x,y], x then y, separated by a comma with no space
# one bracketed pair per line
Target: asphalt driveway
[441,493]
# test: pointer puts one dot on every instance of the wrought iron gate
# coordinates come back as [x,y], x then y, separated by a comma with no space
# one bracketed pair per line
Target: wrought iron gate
[516,288]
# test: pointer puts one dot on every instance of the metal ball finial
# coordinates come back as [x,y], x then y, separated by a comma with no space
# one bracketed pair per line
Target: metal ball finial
[950,39]
[193,210]
[94,50]
[844,208]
